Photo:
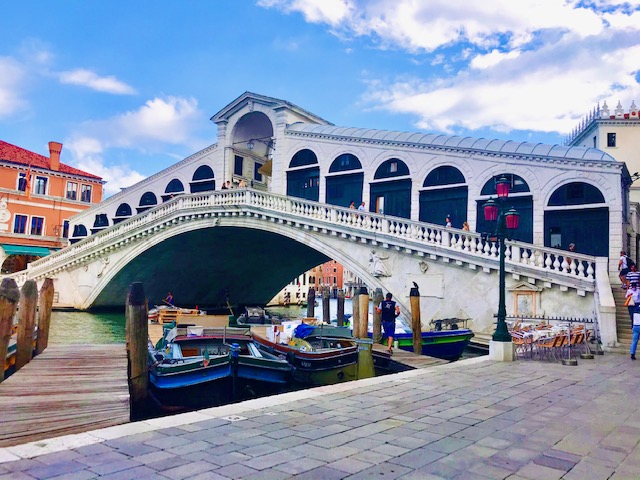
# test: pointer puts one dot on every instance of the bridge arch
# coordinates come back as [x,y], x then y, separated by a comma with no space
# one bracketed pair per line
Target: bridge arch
[303,175]
[575,207]
[345,180]
[444,193]
[391,188]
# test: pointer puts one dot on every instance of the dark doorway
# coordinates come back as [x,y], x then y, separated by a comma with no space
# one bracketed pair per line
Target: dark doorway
[524,206]
[304,183]
[588,228]
[436,205]
[392,198]
[343,189]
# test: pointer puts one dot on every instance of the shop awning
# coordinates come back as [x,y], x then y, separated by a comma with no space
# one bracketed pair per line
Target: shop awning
[266,168]
[25,250]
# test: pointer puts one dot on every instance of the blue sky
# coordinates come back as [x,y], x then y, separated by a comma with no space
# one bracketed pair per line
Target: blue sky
[129,86]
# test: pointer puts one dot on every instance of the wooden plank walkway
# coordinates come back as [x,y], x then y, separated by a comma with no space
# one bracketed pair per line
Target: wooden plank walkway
[408,360]
[67,389]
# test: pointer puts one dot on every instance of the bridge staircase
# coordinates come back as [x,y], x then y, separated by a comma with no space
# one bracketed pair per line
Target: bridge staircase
[623,322]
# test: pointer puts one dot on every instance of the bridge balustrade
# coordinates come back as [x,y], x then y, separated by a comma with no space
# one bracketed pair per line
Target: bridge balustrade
[539,261]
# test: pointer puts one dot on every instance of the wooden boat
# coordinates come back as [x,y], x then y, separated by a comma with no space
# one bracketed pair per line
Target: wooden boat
[446,340]
[256,316]
[194,366]
[171,313]
[321,354]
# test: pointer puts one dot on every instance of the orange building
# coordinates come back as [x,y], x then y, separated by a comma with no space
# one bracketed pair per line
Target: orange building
[38,195]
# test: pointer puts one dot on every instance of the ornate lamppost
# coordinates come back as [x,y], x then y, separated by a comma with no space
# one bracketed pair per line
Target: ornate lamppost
[506,221]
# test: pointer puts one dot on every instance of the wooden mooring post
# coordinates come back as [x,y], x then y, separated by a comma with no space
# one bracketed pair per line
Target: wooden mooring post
[377,317]
[45,304]
[363,320]
[27,323]
[137,329]
[340,312]
[416,324]
[9,297]
[355,312]
[311,303]
[326,309]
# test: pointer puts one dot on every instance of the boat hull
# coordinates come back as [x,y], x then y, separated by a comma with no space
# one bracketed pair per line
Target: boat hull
[445,344]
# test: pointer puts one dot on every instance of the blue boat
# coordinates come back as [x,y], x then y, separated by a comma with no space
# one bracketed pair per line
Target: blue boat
[194,366]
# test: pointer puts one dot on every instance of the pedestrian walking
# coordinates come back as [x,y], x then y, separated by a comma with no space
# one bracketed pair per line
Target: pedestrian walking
[623,266]
[390,311]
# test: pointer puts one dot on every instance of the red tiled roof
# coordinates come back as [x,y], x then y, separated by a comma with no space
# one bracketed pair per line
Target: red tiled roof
[11,153]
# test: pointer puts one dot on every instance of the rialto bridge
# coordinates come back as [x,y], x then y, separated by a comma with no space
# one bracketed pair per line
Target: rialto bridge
[178,230]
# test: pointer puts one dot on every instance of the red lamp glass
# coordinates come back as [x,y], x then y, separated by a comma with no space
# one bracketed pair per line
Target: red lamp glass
[512,218]
[490,209]
[503,186]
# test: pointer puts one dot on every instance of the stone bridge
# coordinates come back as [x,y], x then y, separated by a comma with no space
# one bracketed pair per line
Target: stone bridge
[251,243]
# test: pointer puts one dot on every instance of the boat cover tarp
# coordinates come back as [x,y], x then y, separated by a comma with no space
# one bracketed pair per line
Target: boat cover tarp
[303,330]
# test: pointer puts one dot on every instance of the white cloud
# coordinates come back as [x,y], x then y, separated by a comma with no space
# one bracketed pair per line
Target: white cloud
[159,123]
[89,79]
[532,64]
[11,99]
[316,11]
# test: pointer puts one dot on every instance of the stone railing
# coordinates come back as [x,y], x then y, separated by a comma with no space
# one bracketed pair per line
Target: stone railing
[547,264]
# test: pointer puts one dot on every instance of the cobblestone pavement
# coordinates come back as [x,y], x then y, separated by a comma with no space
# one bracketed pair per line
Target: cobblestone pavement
[473,419]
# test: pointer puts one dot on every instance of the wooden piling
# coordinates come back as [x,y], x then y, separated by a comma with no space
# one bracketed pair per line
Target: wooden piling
[355,317]
[326,312]
[45,304]
[416,324]
[137,328]
[364,312]
[378,297]
[26,323]
[340,312]
[9,297]
[311,303]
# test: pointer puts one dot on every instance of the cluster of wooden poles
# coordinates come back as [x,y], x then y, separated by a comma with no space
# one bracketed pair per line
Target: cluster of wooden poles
[32,310]
[360,318]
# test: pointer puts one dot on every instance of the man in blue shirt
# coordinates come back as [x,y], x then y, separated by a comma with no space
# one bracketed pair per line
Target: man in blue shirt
[390,311]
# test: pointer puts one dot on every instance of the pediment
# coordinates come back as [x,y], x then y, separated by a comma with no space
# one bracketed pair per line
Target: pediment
[524,287]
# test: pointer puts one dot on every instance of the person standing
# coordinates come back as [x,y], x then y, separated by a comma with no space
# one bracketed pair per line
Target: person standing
[623,266]
[447,221]
[630,299]
[465,226]
[390,311]
[635,322]
[633,276]
[361,208]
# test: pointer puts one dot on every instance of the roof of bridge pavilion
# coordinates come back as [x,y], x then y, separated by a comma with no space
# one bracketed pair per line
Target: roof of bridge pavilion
[271,102]
[451,142]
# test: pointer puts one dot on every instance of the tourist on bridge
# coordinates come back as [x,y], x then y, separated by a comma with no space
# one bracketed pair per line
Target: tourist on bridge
[390,311]
[361,208]
[633,276]
[623,266]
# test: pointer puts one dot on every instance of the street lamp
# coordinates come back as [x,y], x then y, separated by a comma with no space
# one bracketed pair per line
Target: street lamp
[507,222]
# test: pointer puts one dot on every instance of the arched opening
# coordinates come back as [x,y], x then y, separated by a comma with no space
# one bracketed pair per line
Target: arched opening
[122,213]
[253,145]
[174,187]
[392,196]
[79,232]
[203,180]
[304,181]
[520,198]
[147,201]
[346,187]
[577,213]
[444,195]
[100,223]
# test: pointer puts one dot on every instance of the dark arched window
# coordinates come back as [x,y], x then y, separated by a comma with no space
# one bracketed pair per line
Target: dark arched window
[446,175]
[394,167]
[302,158]
[148,198]
[124,210]
[576,193]
[518,185]
[203,180]
[345,162]
[101,220]
[174,187]
[79,231]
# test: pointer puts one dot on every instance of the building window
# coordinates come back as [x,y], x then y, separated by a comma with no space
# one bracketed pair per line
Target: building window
[65,228]
[37,224]
[238,165]
[393,167]
[72,190]
[86,193]
[595,145]
[41,185]
[22,182]
[20,224]
[256,174]
[611,139]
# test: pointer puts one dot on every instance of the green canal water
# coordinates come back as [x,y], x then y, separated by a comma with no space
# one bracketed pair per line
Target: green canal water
[87,327]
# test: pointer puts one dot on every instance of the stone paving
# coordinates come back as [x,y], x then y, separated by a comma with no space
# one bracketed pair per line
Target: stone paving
[473,419]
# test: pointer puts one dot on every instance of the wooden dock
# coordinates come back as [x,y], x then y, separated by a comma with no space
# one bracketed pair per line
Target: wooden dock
[67,389]
[408,360]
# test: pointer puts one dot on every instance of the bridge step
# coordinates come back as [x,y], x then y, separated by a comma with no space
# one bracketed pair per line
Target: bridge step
[623,322]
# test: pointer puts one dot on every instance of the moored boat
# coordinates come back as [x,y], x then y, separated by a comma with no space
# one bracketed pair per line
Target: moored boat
[194,366]
[320,355]
[256,316]
[446,340]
